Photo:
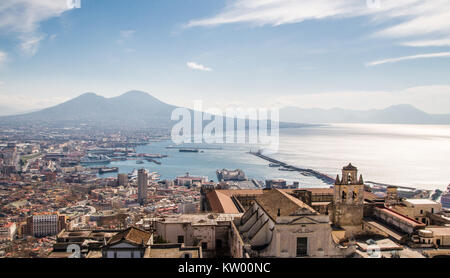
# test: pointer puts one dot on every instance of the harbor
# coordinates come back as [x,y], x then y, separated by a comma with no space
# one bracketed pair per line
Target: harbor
[290,168]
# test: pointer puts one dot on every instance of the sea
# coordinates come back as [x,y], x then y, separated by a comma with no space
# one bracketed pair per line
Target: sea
[405,155]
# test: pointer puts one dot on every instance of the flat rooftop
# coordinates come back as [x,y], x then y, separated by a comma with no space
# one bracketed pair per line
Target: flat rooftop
[199,219]
[421,202]
[439,231]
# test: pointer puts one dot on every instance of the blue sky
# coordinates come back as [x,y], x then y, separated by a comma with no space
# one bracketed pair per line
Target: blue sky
[324,53]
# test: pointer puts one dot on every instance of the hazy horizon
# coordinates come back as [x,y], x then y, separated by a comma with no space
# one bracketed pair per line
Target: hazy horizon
[312,54]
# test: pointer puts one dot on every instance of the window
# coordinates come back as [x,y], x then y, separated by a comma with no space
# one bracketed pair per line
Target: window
[438,242]
[204,245]
[187,256]
[344,195]
[180,239]
[302,246]
[432,210]
[421,211]
[218,244]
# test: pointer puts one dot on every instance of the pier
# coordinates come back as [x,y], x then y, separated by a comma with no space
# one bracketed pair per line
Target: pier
[324,177]
[194,148]
[387,185]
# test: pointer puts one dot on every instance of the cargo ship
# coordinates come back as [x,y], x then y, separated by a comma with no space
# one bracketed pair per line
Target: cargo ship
[189,151]
[445,198]
[105,170]
[95,159]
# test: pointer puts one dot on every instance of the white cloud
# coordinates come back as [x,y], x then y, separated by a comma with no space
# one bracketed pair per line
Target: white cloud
[422,43]
[414,18]
[127,33]
[23,17]
[277,12]
[195,66]
[412,57]
[3,58]
[30,44]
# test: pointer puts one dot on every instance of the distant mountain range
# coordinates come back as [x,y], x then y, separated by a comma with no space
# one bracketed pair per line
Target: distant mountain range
[140,109]
[132,108]
[396,114]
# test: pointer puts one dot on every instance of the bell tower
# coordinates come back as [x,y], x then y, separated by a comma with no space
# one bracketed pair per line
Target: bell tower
[348,198]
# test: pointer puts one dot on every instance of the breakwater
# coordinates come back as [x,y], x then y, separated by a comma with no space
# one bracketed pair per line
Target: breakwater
[311,172]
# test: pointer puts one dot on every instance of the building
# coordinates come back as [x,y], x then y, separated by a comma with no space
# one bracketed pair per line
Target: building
[170,250]
[142,186]
[188,180]
[435,236]
[122,179]
[10,156]
[391,196]
[209,231]
[230,175]
[187,208]
[418,209]
[130,243]
[8,231]
[89,241]
[279,183]
[348,199]
[280,225]
[41,225]
[400,222]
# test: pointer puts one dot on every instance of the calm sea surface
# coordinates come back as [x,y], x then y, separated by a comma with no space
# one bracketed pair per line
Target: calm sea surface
[408,155]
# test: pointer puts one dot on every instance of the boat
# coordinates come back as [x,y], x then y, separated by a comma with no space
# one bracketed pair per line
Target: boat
[445,198]
[188,150]
[154,161]
[274,165]
[286,169]
[95,159]
[105,170]
[139,162]
[133,174]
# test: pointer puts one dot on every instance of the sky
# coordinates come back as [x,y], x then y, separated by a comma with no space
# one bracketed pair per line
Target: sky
[353,54]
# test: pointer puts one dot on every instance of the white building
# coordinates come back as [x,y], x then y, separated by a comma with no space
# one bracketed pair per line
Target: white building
[8,231]
[280,225]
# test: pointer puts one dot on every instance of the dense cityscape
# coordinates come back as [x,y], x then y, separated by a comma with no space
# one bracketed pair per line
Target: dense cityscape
[226,136]
[54,204]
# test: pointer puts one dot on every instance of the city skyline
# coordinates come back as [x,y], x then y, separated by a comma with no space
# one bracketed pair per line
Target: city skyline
[347,54]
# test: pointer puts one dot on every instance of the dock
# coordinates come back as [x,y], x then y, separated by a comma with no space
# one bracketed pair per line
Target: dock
[388,185]
[324,177]
[194,148]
